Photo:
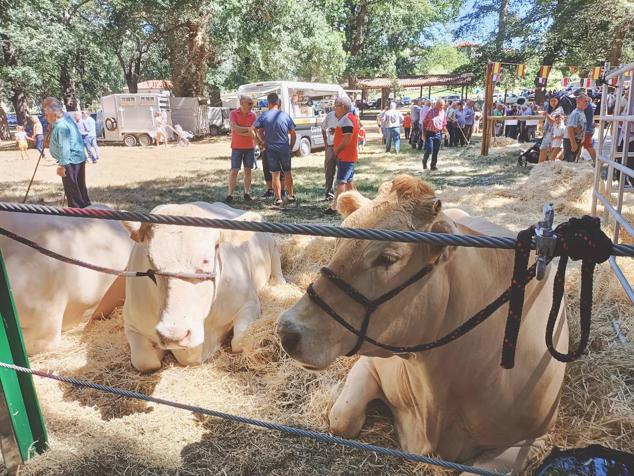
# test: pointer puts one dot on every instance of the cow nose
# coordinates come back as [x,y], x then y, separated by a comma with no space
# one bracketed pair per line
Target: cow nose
[290,340]
[171,334]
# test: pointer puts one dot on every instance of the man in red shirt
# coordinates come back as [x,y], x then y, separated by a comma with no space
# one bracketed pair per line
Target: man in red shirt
[434,125]
[345,148]
[407,125]
[242,146]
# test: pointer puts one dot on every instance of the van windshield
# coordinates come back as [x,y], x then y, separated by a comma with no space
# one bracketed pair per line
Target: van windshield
[309,103]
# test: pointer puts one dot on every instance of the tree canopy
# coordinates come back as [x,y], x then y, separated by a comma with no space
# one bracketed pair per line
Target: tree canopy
[81,49]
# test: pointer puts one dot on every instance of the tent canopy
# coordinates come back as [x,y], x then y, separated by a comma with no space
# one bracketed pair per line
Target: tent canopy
[463,79]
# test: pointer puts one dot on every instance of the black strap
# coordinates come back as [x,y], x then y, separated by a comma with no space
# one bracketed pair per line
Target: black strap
[578,238]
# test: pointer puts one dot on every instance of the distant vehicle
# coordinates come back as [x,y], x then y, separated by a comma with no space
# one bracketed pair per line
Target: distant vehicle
[453,97]
[218,118]
[511,98]
[406,101]
[374,103]
[306,103]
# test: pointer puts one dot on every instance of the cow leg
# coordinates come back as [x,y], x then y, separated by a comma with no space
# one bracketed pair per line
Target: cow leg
[248,314]
[511,460]
[144,355]
[189,357]
[276,266]
[347,415]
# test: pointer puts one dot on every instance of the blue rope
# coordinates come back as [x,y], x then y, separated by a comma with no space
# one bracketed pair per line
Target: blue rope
[299,432]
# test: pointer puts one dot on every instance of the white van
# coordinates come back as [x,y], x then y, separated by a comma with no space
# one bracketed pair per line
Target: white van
[306,103]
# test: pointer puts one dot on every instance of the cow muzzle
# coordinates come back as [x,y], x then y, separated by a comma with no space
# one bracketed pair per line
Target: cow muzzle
[174,337]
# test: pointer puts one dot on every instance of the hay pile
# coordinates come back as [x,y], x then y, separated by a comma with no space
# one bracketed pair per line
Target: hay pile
[92,433]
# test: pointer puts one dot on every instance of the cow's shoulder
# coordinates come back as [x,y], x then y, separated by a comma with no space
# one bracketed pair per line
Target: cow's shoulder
[471,225]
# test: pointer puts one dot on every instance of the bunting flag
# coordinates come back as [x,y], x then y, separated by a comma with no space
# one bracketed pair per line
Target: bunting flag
[573,69]
[614,82]
[565,82]
[585,83]
[496,78]
[496,69]
[520,70]
[544,71]
[596,72]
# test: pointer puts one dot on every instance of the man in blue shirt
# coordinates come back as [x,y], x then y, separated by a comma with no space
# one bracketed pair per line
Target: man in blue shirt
[273,128]
[67,148]
[90,139]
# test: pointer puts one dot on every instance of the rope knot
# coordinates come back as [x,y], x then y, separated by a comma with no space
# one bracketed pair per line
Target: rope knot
[582,238]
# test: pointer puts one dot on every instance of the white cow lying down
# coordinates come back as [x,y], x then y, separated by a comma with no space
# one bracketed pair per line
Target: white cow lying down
[192,317]
[52,296]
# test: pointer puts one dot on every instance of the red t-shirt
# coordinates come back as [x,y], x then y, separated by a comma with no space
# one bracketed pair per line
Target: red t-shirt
[239,141]
[348,124]
[407,121]
[361,134]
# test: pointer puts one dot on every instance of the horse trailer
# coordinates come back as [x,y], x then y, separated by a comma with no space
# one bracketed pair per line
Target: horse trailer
[191,114]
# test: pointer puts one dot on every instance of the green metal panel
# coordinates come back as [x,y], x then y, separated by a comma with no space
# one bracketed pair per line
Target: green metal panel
[18,388]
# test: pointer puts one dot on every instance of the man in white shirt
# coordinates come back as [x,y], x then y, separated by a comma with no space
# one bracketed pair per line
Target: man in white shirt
[328,126]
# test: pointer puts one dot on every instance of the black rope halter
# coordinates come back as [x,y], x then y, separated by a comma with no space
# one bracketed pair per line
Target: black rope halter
[370,305]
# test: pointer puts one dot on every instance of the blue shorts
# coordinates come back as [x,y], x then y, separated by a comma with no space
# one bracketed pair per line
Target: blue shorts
[345,171]
[278,161]
[238,156]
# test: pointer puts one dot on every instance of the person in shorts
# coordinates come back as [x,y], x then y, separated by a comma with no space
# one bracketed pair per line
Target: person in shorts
[20,140]
[575,130]
[362,136]
[345,148]
[242,146]
[557,134]
[273,129]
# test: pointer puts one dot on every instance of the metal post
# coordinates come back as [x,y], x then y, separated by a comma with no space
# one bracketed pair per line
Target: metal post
[19,400]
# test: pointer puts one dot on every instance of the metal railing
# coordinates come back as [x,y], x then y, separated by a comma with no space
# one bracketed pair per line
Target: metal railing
[618,127]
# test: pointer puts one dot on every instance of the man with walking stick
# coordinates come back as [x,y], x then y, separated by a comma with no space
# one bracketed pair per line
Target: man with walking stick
[66,146]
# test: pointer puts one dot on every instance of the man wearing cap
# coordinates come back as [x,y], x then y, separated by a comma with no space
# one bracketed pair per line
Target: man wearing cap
[575,130]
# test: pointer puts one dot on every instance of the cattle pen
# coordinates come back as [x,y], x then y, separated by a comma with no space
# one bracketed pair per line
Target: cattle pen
[218,431]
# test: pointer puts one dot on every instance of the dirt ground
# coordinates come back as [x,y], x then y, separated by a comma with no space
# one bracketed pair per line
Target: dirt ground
[91,433]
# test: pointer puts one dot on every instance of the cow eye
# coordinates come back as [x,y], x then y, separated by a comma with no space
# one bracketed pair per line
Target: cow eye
[386,259]
[205,261]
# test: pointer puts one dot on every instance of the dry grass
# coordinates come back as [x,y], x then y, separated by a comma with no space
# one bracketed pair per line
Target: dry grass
[92,433]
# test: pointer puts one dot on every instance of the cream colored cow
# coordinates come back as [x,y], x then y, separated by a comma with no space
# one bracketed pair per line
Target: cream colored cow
[191,317]
[52,296]
[454,401]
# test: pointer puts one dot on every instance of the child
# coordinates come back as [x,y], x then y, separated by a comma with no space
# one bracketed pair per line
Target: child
[558,132]
[361,136]
[407,125]
[20,140]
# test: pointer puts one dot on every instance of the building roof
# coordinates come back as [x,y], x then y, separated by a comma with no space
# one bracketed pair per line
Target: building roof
[156,84]
[418,81]
[465,44]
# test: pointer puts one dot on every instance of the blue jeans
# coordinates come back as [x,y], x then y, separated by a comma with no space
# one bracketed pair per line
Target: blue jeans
[345,171]
[392,135]
[90,142]
[240,156]
[432,146]
[279,160]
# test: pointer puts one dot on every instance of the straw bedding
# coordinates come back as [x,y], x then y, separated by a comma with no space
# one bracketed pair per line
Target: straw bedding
[93,433]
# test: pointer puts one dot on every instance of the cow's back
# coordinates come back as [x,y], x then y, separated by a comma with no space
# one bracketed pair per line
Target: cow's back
[50,294]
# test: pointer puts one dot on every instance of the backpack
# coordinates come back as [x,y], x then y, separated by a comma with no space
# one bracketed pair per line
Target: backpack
[568,104]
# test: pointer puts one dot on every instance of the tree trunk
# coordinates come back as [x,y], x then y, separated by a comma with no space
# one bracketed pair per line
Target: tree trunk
[18,99]
[503,16]
[616,47]
[4,125]
[189,54]
[67,83]
[214,96]
[358,37]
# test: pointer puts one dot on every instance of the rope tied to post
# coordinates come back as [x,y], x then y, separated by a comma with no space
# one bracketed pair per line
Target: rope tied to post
[577,239]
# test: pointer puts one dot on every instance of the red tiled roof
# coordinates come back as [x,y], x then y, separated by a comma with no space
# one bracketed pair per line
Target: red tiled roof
[465,44]
[417,81]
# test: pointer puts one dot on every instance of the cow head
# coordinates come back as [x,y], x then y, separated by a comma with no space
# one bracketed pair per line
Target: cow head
[184,304]
[373,268]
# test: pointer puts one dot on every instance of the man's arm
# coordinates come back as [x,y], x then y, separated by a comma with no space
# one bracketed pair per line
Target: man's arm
[259,133]
[571,136]
[293,137]
[240,130]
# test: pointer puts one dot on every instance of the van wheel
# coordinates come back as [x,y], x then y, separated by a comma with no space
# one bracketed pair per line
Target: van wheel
[304,147]
[145,140]
[129,140]
[214,131]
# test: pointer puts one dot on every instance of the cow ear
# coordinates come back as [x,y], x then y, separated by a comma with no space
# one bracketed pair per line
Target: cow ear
[239,236]
[444,226]
[349,202]
[138,231]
